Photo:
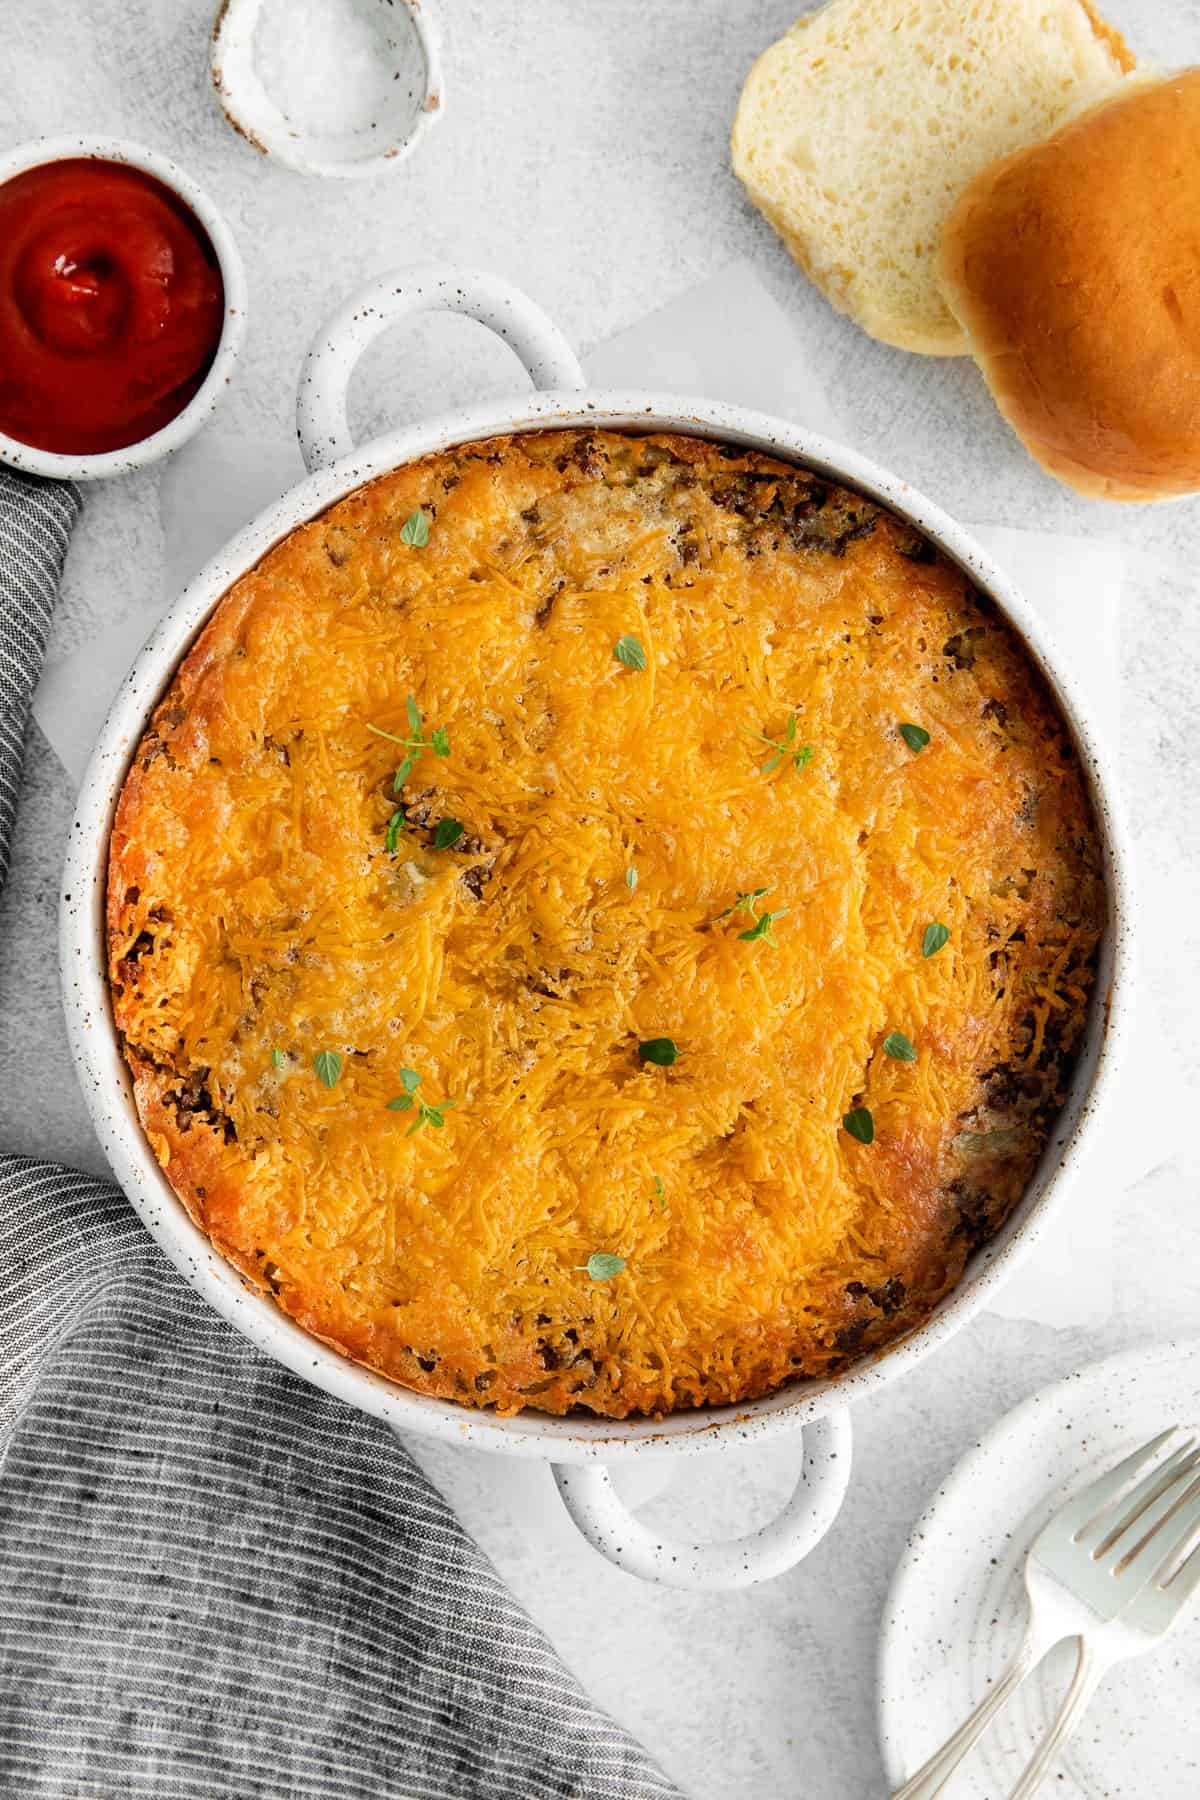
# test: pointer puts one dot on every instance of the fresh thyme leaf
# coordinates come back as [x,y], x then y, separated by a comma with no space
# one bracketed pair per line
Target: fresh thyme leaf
[427,1112]
[430,1115]
[763,928]
[631,877]
[936,936]
[915,736]
[415,531]
[602,1265]
[628,651]
[279,1057]
[661,1051]
[328,1065]
[782,748]
[395,826]
[860,1125]
[743,903]
[659,1195]
[438,741]
[448,832]
[896,1045]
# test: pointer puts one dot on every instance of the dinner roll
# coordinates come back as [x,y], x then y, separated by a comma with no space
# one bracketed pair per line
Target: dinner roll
[858,130]
[1074,269]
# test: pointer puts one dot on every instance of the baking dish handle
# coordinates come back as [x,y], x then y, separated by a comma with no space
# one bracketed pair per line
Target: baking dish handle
[321,421]
[606,1522]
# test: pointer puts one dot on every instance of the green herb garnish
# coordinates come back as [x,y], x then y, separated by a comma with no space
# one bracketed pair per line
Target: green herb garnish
[743,903]
[915,736]
[763,929]
[629,653]
[783,747]
[631,878]
[602,1265]
[395,826]
[896,1045]
[936,937]
[438,741]
[659,1195]
[430,1115]
[448,832]
[415,530]
[328,1065]
[860,1125]
[427,1114]
[662,1051]
[279,1057]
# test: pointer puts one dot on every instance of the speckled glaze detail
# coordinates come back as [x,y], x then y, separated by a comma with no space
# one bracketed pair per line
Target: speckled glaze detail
[956,1607]
[413,42]
[571,1441]
[610,1528]
[184,425]
[321,421]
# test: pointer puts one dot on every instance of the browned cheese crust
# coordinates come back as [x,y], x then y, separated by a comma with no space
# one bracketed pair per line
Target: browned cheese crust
[393,1069]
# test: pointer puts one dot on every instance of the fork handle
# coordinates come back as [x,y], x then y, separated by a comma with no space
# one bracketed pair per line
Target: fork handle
[932,1776]
[1090,1671]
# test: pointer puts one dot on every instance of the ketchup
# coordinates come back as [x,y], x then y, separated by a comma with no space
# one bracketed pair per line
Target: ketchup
[111,306]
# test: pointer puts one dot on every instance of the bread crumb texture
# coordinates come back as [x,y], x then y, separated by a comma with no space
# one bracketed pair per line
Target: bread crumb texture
[858,130]
[287,958]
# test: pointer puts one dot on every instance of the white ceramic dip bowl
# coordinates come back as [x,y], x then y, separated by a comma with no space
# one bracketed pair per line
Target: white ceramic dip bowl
[69,467]
[329,87]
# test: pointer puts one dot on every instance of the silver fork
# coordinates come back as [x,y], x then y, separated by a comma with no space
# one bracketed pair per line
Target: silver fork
[1143,1622]
[1085,1566]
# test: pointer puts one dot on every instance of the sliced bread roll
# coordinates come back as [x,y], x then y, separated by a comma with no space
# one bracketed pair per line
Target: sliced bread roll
[858,130]
[1074,268]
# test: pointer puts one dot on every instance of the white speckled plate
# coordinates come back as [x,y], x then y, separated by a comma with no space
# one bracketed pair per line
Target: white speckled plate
[956,1607]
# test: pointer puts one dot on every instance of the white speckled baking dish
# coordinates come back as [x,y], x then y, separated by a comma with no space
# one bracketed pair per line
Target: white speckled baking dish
[579,1448]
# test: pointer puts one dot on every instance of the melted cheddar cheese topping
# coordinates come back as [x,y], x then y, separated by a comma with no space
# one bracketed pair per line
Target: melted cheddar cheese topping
[259,920]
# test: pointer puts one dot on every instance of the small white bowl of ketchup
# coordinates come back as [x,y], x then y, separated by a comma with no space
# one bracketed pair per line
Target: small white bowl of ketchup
[122,307]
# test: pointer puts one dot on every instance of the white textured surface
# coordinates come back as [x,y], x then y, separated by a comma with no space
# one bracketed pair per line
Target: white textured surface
[583,155]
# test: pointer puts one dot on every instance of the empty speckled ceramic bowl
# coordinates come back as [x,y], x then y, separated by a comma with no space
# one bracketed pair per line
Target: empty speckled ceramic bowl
[329,87]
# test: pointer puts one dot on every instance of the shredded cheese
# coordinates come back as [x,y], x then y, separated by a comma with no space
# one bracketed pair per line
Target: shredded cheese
[254,907]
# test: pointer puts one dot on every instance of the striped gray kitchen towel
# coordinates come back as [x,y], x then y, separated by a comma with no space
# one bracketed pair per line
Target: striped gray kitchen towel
[215,1580]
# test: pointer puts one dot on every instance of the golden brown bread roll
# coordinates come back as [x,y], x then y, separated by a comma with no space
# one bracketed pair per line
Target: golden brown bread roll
[1073,266]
